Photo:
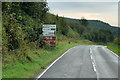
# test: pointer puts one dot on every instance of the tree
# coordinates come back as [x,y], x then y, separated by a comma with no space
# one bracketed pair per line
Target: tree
[81,30]
[84,21]
[57,17]
[11,24]
[37,10]
[64,26]
[117,41]
[101,35]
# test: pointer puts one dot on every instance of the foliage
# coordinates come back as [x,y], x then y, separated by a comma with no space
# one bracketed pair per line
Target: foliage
[100,36]
[36,10]
[30,69]
[21,26]
[117,41]
[22,30]
[96,25]
[63,26]
[84,21]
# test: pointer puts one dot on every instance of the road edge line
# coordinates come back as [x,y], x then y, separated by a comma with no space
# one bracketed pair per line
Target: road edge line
[53,63]
[112,51]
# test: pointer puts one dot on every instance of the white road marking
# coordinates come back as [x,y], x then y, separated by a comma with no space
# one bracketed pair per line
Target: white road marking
[114,53]
[94,68]
[94,64]
[90,50]
[52,64]
[111,51]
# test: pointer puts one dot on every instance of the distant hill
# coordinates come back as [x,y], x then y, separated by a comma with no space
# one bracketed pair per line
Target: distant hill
[97,24]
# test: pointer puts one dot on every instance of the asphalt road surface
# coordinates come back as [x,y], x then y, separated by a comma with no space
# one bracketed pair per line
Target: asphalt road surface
[84,62]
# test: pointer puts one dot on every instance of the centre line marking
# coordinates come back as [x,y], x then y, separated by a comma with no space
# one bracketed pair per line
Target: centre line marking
[94,64]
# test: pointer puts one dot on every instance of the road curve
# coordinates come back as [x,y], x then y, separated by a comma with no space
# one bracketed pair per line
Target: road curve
[84,62]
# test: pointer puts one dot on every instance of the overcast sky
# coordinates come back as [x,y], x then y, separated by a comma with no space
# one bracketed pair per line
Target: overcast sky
[104,11]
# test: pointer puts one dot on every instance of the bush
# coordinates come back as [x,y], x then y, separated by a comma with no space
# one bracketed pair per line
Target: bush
[117,41]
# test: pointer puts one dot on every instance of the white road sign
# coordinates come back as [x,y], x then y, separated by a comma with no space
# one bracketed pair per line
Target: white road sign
[49,30]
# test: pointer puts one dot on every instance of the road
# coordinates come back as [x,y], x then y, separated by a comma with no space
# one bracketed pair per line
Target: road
[84,62]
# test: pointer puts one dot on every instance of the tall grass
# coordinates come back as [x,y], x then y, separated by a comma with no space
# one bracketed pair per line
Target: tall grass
[41,57]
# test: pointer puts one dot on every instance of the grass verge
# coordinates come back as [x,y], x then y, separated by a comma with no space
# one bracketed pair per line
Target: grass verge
[114,48]
[41,58]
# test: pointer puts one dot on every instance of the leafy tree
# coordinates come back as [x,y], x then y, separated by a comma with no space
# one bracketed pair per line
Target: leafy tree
[64,26]
[117,41]
[81,30]
[11,24]
[84,21]
[57,17]
[35,9]
[16,24]
[100,36]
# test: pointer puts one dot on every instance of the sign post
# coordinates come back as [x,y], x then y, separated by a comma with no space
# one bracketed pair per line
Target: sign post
[49,34]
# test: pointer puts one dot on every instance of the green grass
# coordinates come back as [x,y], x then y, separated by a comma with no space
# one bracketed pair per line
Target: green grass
[114,48]
[41,58]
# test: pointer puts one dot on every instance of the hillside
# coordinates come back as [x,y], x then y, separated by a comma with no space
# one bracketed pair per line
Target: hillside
[97,24]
